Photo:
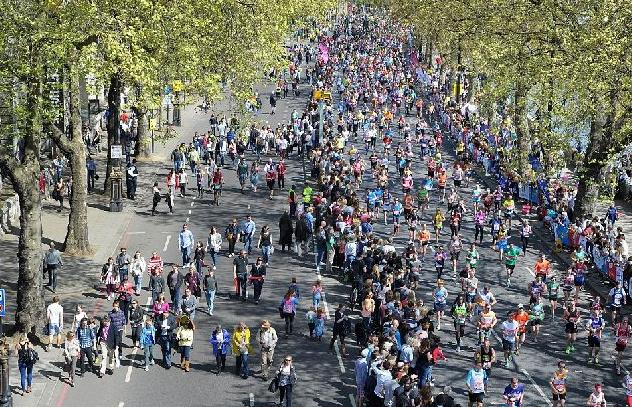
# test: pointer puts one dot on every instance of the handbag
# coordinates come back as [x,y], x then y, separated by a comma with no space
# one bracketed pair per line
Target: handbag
[273,387]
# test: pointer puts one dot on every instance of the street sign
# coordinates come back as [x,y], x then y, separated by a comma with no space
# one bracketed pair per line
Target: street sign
[116,151]
[3,309]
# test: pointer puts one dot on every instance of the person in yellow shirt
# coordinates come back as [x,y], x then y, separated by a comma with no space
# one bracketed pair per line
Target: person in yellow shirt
[437,220]
[241,347]
[184,335]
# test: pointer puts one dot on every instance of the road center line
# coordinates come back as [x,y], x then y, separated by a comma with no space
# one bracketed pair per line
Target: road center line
[128,375]
[529,270]
[340,364]
[164,249]
[352,400]
[538,389]
[187,219]
[192,204]
[121,404]
[136,233]
[189,211]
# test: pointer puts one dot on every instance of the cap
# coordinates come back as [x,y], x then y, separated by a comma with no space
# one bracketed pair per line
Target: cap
[520,306]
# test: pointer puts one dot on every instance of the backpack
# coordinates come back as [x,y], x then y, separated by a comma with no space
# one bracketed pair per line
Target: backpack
[288,306]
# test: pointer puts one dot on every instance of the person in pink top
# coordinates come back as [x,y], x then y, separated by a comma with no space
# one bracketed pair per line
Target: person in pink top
[161,306]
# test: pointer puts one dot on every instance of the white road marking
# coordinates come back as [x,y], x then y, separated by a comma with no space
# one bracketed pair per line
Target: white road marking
[164,249]
[539,390]
[529,270]
[340,364]
[121,404]
[352,400]
[189,211]
[187,219]
[136,233]
[128,375]
[192,204]
[251,399]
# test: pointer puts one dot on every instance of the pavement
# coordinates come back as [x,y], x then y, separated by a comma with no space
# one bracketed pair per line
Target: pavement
[325,378]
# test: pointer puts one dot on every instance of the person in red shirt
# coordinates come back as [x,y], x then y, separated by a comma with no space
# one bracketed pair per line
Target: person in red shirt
[281,170]
[270,178]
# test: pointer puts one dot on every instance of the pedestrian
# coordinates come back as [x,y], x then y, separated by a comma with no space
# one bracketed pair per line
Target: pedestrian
[156,285]
[72,349]
[317,294]
[55,320]
[27,357]
[214,245]
[265,244]
[53,263]
[165,325]
[240,275]
[138,267]
[189,303]
[147,341]
[340,328]
[175,280]
[209,284]
[241,347]
[184,335]
[319,324]
[185,243]
[198,256]
[220,340]
[267,338]
[286,375]
[87,343]
[123,261]
[286,229]
[246,231]
[124,297]
[110,277]
[136,318]
[107,344]
[232,233]
[118,321]
[91,166]
[131,179]
[257,277]
[287,309]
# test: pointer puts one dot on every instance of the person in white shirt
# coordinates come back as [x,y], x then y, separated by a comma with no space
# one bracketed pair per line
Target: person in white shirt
[597,398]
[138,267]
[384,377]
[55,319]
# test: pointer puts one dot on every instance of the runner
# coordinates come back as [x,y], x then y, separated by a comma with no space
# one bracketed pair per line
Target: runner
[510,332]
[553,293]
[440,296]
[459,314]
[572,317]
[514,393]
[511,254]
[522,317]
[622,333]
[486,322]
[595,326]
[558,385]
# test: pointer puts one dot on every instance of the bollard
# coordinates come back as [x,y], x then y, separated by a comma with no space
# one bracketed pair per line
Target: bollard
[6,399]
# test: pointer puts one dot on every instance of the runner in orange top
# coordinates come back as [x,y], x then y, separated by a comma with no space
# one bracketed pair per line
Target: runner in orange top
[441,181]
[424,239]
[542,267]
[522,317]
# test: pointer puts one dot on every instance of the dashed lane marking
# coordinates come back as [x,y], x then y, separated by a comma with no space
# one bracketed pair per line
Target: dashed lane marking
[537,388]
[164,249]
[340,364]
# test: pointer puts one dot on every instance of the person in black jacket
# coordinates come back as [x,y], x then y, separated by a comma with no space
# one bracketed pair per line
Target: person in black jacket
[136,314]
[165,324]
[285,231]
[301,235]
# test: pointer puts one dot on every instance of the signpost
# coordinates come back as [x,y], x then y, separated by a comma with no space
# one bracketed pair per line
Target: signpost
[3,311]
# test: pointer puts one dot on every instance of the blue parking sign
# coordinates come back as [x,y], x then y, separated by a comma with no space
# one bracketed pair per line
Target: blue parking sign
[3,310]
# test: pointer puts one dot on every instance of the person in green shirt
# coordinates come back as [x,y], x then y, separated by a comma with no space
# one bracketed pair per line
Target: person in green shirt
[422,198]
[511,255]
[553,290]
[242,173]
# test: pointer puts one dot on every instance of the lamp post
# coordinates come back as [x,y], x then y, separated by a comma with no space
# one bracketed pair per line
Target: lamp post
[6,400]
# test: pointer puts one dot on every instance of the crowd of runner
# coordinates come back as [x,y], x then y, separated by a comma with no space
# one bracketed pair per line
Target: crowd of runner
[380,174]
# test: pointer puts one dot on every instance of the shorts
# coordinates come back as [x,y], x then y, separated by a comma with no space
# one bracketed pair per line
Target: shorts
[470,297]
[508,346]
[536,321]
[557,397]
[476,397]
[510,266]
[594,342]
[570,328]
[439,306]
[579,281]
[53,329]
[457,182]
[425,242]
[455,256]
[185,351]
[270,184]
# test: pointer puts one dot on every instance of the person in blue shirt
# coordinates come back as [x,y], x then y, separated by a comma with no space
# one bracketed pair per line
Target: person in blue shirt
[514,393]
[247,230]
[185,243]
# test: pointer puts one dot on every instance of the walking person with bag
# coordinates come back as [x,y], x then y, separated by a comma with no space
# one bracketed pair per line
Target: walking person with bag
[214,245]
[72,350]
[241,347]
[286,376]
[287,310]
[27,356]
[268,338]
[53,263]
[220,340]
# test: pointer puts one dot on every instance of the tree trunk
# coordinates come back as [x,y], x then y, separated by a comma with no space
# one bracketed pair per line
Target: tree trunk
[523,142]
[144,143]
[77,233]
[591,173]
[113,125]
[30,305]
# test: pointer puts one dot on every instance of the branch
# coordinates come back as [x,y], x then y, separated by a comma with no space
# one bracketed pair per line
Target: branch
[60,139]
[91,39]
